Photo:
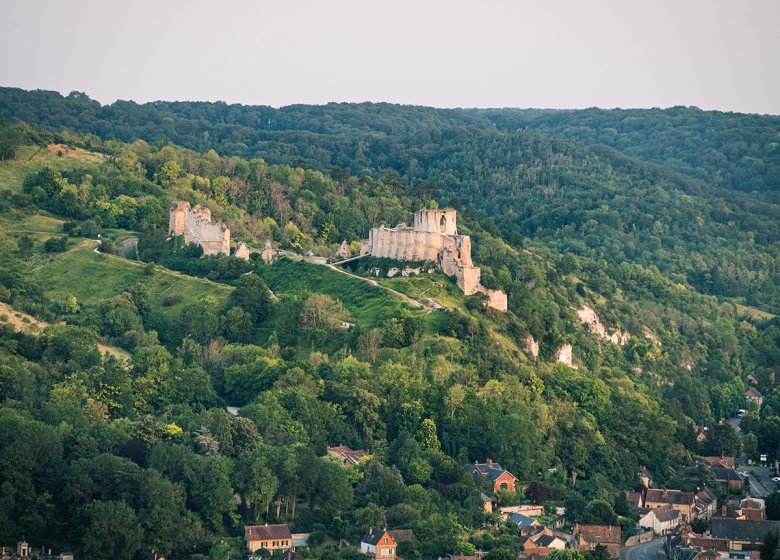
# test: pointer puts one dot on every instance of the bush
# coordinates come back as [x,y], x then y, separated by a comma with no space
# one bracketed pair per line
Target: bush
[171,300]
[55,245]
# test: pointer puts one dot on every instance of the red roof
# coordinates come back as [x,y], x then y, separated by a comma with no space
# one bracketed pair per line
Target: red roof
[267,532]
[600,533]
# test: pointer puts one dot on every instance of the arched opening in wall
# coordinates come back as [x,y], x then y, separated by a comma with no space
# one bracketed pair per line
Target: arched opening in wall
[443,224]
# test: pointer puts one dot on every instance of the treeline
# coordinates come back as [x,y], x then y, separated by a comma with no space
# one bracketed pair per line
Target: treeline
[704,209]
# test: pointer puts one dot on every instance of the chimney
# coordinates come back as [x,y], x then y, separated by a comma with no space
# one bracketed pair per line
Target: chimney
[723,510]
[489,461]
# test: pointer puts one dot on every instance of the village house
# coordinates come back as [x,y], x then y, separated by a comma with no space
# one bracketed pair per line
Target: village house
[379,544]
[660,520]
[526,524]
[542,543]
[743,536]
[743,509]
[273,538]
[755,396]
[346,456]
[287,555]
[752,379]
[487,503]
[531,510]
[722,461]
[728,480]
[684,502]
[706,502]
[721,546]
[588,537]
[499,478]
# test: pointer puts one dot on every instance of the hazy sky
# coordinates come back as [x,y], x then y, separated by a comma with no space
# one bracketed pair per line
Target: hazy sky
[714,54]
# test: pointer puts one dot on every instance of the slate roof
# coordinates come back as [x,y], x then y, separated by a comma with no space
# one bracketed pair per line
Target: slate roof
[722,473]
[374,536]
[742,530]
[490,470]
[287,555]
[666,514]
[522,520]
[545,540]
[401,535]
[267,532]
[753,393]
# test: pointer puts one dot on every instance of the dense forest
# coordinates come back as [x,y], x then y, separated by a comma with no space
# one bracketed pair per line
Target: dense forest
[140,438]
[707,213]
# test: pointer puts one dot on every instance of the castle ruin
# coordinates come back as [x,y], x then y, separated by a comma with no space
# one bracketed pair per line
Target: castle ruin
[195,225]
[434,237]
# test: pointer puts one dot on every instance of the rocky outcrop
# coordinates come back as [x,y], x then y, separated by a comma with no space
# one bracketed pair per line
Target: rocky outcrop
[564,356]
[531,346]
[195,225]
[588,316]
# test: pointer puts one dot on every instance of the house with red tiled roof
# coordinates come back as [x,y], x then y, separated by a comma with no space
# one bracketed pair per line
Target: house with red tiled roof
[722,461]
[273,538]
[754,395]
[588,537]
[499,478]
[346,456]
[378,543]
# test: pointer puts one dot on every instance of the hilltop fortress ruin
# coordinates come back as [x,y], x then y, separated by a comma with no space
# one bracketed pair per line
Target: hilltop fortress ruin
[196,226]
[434,237]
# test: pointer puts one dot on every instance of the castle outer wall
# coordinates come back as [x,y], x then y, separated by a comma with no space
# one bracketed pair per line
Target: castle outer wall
[434,238]
[195,225]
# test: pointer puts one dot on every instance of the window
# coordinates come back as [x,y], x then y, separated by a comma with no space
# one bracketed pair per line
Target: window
[504,486]
[385,540]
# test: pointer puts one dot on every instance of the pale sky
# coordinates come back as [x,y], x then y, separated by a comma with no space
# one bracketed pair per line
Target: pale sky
[715,54]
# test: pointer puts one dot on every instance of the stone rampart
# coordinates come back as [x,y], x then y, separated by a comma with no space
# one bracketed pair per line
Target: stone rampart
[434,237]
[195,225]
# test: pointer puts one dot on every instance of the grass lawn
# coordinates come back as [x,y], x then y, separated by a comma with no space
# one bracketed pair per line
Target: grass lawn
[94,278]
[363,301]
[32,158]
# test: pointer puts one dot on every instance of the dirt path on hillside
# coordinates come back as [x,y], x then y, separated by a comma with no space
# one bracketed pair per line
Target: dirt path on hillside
[407,299]
[30,325]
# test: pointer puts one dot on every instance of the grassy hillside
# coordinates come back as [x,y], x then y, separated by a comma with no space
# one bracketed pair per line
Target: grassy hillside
[94,278]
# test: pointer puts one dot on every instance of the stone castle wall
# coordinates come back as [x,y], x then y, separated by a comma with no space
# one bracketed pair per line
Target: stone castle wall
[195,225]
[434,237]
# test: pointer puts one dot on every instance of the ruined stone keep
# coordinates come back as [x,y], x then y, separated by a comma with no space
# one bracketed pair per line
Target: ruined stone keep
[434,237]
[196,226]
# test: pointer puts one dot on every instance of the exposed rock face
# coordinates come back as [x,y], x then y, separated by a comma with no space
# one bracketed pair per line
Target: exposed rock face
[195,225]
[242,251]
[344,251]
[268,253]
[531,346]
[564,356]
[434,237]
[409,271]
[588,316]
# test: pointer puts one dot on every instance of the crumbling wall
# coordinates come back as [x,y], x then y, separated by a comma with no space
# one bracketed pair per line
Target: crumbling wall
[195,225]
[434,237]
[242,251]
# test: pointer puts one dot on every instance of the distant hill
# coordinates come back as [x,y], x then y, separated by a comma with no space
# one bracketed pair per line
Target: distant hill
[694,193]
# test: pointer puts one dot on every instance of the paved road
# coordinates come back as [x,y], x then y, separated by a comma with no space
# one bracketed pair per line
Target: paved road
[758,488]
[646,551]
